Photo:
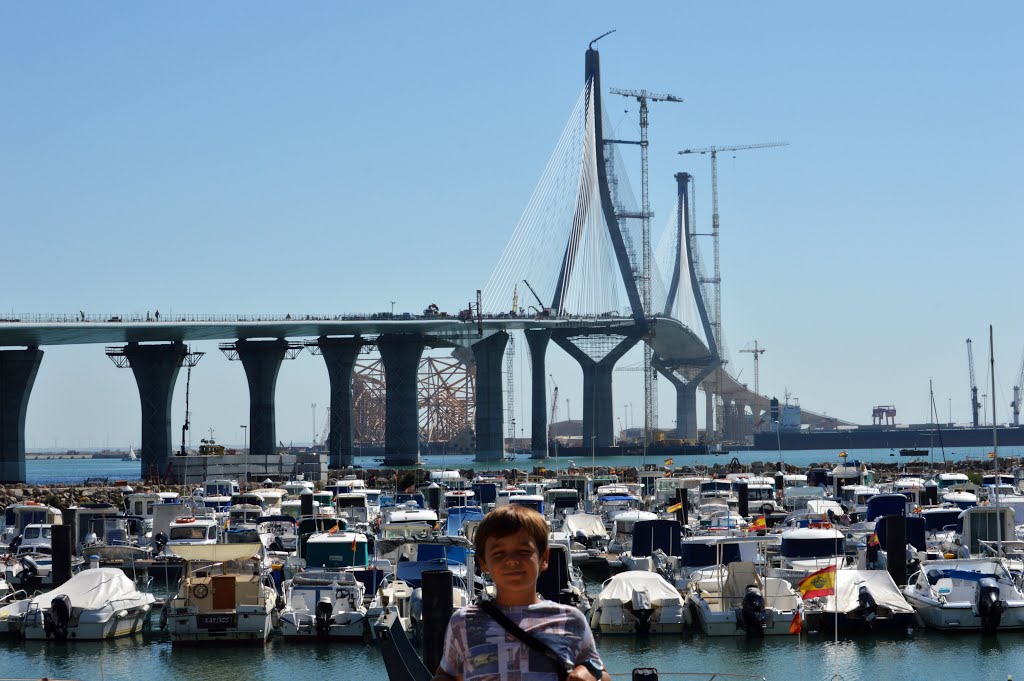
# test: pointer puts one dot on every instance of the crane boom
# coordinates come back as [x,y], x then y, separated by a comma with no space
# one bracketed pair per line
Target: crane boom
[974,386]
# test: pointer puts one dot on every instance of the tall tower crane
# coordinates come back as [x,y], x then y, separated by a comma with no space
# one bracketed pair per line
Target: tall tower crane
[1017,387]
[757,352]
[650,376]
[974,385]
[716,280]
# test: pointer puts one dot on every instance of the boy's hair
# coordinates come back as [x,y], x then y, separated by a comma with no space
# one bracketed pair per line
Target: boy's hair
[507,520]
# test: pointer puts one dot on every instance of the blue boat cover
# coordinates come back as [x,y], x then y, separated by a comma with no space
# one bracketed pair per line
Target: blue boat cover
[650,535]
[885,504]
[915,532]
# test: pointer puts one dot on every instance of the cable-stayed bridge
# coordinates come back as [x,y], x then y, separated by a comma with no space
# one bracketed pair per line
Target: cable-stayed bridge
[578,247]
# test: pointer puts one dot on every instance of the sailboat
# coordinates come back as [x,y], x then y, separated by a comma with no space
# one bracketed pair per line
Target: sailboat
[130,456]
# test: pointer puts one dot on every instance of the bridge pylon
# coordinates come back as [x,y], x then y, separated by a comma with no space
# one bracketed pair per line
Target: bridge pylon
[18,369]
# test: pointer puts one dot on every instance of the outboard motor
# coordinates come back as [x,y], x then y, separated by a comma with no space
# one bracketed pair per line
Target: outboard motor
[988,606]
[640,606]
[323,616]
[29,569]
[12,548]
[867,607]
[57,620]
[277,544]
[159,542]
[752,614]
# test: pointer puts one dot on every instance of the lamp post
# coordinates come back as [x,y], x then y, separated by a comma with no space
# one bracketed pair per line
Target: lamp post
[245,438]
[392,308]
[593,455]
[778,440]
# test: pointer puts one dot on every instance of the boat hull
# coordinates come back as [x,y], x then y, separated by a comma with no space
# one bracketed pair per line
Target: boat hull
[961,616]
[112,627]
[241,627]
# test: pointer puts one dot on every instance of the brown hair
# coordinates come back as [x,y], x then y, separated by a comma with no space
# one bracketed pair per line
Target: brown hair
[507,520]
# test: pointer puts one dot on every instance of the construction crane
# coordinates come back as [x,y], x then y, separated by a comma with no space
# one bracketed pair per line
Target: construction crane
[326,430]
[554,413]
[716,280]
[757,352]
[542,310]
[650,376]
[1017,393]
[974,386]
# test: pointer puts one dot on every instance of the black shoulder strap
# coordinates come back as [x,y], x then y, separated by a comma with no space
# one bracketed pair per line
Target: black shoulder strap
[529,639]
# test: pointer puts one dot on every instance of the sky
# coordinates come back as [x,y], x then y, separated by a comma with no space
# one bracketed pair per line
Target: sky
[262,157]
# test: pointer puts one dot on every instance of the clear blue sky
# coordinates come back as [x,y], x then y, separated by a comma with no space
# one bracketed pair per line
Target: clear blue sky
[333,157]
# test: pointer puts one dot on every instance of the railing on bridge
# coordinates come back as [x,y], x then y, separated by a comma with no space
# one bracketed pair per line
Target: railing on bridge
[156,317]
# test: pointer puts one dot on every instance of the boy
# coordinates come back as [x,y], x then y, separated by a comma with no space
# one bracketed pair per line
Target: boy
[512,544]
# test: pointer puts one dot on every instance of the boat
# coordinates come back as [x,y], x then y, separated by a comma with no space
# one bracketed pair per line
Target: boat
[324,604]
[913,452]
[130,456]
[637,602]
[864,601]
[223,596]
[969,594]
[98,603]
[735,600]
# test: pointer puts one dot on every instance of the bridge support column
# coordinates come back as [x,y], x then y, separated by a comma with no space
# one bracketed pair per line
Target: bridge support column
[340,356]
[537,340]
[488,355]
[261,360]
[401,357]
[686,403]
[709,413]
[156,370]
[18,369]
[598,415]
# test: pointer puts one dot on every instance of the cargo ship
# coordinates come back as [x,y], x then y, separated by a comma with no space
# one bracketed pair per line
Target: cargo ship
[921,436]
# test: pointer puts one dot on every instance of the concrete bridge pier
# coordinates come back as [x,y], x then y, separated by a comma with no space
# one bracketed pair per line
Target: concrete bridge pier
[18,369]
[156,370]
[401,354]
[598,414]
[340,355]
[261,360]
[686,403]
[537,340]
[488,354]
[709,413]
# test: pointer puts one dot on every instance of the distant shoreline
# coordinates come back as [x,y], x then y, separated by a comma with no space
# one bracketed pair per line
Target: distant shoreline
[76,455]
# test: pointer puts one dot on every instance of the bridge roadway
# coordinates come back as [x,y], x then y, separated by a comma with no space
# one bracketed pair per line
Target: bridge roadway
[155,350]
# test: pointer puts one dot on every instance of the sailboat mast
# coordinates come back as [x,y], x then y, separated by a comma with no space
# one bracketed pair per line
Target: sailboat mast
[995,436]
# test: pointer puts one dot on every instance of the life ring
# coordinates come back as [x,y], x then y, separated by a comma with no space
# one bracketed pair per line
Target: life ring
[185,519]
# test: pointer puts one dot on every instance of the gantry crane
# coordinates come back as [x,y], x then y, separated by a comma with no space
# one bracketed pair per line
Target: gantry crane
[757,352]
[716,280]
[650,376]
[1017,387]
[974,386]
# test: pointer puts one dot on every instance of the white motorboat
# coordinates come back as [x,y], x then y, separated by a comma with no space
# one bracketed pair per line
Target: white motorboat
[975,593]
[324,604]
[637,603]
[805,550]
[864,601]
[734,600]
[95,604]
[223,596]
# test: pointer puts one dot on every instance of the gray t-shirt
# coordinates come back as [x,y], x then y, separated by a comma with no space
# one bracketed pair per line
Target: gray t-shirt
[479,648]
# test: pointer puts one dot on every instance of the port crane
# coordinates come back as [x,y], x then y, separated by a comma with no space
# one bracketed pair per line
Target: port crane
[716,280]
[542,310]
[974,385]
[1017,387]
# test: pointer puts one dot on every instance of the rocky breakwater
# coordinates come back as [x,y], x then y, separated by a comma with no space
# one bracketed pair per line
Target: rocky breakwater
[65,496]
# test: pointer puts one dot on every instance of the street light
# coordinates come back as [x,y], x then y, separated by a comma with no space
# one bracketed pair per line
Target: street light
[778,439]
[392,308]
[245,439]
[593,455]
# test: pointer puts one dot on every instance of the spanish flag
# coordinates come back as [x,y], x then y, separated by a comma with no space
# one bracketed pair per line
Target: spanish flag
[675,507]
[797,624]
[873,539]
[669,462]
[820,583]
[758,524]
[991,455]
[333,529]
[353,544]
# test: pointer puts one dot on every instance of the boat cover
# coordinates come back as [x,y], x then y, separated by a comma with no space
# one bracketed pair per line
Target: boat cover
[216,553]
[589,525]
[619,589]
[94,588]
[879,583]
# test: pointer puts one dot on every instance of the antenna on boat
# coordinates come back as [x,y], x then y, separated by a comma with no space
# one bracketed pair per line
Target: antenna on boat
[995,439]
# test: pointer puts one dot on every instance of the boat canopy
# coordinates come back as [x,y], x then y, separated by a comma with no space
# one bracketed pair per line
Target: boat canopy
[651,535]
[885,504]
[217,553]
[879,584]
[592,526]
[619,589]
[95,588]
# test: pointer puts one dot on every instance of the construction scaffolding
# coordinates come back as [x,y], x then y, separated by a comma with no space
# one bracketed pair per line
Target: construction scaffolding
[446,402]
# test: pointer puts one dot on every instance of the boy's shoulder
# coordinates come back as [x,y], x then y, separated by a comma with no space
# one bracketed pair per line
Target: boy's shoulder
[542,610]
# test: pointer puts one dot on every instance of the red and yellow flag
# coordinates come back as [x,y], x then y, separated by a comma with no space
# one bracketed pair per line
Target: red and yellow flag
[797,624]
[353,544]
[758,524]
[675,507]
[669,462]
[333,529]
[873,539]
[820,583]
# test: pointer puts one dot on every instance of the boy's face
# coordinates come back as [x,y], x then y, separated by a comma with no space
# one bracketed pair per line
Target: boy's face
[514,563]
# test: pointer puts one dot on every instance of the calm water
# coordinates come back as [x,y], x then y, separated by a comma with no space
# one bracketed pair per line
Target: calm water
[52,471]
[927,655]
